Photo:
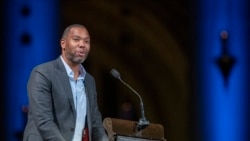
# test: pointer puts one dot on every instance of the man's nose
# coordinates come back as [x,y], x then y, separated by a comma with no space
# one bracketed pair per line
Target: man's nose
[82,43]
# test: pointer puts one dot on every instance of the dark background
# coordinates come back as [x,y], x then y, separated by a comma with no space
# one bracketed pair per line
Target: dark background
[150,44]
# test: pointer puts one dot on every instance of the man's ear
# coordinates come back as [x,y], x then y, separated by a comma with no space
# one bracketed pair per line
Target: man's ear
[62,42]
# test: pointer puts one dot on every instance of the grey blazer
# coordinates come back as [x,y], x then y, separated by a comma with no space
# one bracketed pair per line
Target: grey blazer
[52,115]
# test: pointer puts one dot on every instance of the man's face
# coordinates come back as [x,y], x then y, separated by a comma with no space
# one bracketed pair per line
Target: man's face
[76,45]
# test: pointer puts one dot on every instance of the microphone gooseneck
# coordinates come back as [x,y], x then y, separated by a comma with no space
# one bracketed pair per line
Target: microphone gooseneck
[143,122]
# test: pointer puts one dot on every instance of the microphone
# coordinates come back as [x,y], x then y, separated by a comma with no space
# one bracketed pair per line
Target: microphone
[143,122]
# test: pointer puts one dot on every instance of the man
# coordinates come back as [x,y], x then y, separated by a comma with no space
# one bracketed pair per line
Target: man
[62,95]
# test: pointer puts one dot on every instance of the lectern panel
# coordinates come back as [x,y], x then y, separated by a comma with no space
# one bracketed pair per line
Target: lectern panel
[125,130]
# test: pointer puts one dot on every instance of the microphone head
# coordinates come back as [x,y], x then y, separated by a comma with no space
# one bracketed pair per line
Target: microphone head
[115,73]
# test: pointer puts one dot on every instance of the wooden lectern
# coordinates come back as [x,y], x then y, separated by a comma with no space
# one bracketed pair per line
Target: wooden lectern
[125,130]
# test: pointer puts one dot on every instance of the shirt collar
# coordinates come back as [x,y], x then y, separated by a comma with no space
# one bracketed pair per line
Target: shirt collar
[71,73]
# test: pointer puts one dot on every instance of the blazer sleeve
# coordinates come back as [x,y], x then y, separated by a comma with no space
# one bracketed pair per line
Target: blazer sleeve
[39,92]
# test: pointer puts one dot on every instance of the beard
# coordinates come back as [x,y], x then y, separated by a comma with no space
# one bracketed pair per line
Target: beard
[74,58]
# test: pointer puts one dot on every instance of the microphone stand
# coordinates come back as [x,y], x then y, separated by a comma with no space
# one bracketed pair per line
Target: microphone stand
[143,122]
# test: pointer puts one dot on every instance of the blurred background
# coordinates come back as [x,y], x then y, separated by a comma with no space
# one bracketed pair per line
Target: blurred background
[188,59]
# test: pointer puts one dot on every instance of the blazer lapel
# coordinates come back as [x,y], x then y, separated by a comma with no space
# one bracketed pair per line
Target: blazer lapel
[64,80]
[88,92]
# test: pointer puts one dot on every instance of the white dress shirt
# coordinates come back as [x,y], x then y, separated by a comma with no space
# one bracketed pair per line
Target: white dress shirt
[79,95]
